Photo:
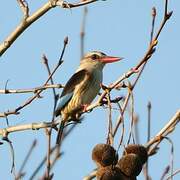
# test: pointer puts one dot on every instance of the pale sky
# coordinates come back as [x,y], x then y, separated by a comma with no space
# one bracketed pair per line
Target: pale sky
[119,28]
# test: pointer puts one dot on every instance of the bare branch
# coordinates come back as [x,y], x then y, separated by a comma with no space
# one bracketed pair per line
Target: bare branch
[48,163]
[35,16]
[110,139]
[82,32]
[32,90]
[153,23]
[45,61]
[146,166]
[12,155]
[32,126]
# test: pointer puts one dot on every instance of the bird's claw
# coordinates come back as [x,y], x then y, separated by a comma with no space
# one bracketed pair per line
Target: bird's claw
[84,107]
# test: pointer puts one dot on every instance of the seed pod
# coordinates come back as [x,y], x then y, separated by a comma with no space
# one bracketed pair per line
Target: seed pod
[104,155]
[140,150]
[109,173]
[130,165]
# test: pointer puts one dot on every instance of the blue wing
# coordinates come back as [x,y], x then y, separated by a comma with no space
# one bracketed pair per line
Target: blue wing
[63,101]
[68,90]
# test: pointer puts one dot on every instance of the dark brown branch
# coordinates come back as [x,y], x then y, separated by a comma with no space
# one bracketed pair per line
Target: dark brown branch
[12,155]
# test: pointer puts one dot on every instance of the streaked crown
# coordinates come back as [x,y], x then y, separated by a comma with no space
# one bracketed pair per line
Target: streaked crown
[94,55]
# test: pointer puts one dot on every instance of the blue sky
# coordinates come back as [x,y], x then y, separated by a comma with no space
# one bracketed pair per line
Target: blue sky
[119,28]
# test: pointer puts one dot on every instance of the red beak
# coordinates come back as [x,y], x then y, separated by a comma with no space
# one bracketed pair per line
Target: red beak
[110,59]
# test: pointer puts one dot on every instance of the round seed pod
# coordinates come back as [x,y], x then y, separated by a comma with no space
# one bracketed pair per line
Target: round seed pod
[130,165]
[104,155]
[109,173]
[140,150]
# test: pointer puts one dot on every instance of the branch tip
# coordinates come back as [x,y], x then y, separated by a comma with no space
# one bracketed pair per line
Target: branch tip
[66,40]
[169,14]
[154,11]
[44,59]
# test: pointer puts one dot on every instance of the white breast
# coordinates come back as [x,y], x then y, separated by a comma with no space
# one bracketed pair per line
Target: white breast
[93,87]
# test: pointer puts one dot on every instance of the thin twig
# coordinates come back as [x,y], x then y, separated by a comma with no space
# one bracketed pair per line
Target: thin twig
[123,128]
[132,116]
[149,121]
[82,32]
[109,135]
[45,61]
[24,7]
[153,23]
[48,163]
[49,131]
[32,90]
[165,172]
[20,173]
[12,155]
[146,169]
[171,156]
[122,114]
[167,15]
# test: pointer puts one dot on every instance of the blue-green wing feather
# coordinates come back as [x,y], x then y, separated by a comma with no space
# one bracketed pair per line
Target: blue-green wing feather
[68,90]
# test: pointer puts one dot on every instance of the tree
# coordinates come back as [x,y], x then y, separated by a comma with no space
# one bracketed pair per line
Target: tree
[19,53]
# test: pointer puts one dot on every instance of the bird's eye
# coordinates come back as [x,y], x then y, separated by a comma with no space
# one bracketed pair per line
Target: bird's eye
[95,56]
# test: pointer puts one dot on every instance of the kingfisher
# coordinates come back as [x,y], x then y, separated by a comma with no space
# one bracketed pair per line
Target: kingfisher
[81,89]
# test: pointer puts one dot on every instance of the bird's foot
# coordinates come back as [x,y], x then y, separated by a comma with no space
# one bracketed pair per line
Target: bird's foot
[85,107]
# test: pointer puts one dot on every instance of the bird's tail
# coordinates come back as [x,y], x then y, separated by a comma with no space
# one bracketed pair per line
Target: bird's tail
[60,132]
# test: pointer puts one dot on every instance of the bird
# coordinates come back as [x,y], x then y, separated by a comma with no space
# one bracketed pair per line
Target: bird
[81,89]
